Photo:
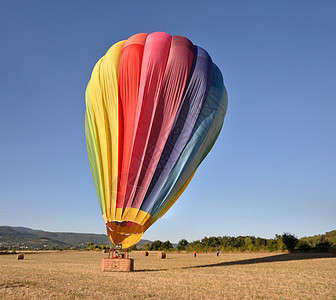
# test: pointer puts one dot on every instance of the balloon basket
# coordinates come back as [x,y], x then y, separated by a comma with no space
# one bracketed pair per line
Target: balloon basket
[117,263]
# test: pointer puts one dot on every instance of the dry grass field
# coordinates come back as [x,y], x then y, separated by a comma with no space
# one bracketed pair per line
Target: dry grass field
[77,275]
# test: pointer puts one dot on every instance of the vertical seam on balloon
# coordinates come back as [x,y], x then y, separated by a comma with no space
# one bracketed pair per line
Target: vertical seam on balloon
[204,97]
[180,79]
[184,98]
[129,161]
[151,123]
[211,118]
[148,136]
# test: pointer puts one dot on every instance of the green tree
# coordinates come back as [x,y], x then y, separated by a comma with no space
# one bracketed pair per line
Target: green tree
[196,246]
[182,244]
[290,241]
[224,241]
[146,246]
[248,241]
[156,245]
[167,245]
[260,242]
[272,245]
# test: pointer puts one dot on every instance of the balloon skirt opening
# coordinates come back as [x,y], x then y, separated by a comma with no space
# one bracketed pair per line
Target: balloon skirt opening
[126,236]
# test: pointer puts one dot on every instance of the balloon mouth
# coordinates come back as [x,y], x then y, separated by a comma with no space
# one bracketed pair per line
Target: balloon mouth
[125,233]
[128,224]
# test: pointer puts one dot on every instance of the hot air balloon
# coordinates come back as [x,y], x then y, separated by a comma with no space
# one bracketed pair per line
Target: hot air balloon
[155,105]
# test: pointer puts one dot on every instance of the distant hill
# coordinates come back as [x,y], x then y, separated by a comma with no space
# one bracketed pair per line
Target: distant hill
[27,238]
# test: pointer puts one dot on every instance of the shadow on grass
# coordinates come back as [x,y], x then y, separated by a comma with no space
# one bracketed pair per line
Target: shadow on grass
[267,259]
[150,270]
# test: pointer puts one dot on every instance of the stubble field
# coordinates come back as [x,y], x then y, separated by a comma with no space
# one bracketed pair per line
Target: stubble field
[77,275]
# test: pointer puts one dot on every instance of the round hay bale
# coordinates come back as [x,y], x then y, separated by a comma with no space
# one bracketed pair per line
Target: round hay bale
[20,256]
[162,255]
[333,251]
[145,253]
[104,251]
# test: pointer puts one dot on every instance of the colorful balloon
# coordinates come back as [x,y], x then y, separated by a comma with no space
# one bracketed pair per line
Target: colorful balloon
[155,105]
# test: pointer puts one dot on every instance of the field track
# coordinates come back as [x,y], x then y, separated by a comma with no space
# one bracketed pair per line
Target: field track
[77,275]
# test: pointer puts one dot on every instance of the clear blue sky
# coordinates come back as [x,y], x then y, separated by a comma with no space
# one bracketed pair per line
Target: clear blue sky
[273,168]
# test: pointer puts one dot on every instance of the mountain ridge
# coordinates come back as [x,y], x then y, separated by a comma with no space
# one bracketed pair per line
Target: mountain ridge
[27,238]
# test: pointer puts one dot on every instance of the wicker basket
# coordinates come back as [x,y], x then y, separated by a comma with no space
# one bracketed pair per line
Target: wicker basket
[118,264]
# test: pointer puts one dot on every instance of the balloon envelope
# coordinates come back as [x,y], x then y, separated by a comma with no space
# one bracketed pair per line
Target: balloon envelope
[155,105]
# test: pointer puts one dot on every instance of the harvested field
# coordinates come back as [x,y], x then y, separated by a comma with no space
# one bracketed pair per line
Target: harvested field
[77,275]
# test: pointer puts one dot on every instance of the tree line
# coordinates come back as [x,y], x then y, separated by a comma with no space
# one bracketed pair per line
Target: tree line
[286,241]
[282,242]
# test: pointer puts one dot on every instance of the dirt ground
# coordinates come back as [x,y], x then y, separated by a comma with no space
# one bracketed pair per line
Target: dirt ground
[78,275]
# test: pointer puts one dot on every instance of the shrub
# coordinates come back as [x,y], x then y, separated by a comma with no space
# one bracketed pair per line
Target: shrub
[323,246]
[304,246]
